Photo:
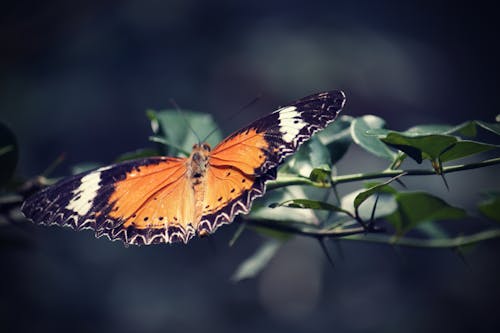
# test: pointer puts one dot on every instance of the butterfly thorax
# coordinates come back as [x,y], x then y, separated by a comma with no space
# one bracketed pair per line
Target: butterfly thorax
[197,162]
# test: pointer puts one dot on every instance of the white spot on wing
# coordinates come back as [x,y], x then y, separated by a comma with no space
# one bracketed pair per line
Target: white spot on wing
[290,123]
[84,195]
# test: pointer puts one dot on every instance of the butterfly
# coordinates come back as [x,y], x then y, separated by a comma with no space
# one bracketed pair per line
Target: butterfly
[172,199]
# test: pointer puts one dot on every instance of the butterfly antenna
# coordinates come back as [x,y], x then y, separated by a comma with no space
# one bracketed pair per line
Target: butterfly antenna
[176,106]
[246,106]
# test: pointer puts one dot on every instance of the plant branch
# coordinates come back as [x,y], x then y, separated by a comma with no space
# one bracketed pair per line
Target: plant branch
[285,180]
[311,231]
[374,235]
[288,180]
[414,172]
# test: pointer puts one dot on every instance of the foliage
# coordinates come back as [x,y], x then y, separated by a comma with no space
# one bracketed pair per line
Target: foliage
[382,212]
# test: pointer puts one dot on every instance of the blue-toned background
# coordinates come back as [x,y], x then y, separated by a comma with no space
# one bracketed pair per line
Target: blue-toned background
[77,76]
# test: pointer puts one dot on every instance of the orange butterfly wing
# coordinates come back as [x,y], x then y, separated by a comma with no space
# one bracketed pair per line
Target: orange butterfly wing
[231,180]
[139,202]
[156,204]
[240,165]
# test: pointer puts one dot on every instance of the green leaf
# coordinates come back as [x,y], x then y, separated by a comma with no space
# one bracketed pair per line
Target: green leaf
[386,205]
[434,146]
[337,137]
[313,154]
[371,143]
[470,128]
[8,154]
[179,128]
[467,128]
[490,207]
[139,153]
[420,147]
[338,130]
[435,142]
[492,127]
[415,208]
[464,148]
[376,188]
[428,129]
[257,262]
[332,220]
[419,130]
[321,175]
[262,211]
[308,204]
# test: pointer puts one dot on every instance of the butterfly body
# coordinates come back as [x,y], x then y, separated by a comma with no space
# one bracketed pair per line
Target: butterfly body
[171,199]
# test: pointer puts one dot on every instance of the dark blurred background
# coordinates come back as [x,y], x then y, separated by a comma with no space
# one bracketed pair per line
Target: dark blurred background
[77,76]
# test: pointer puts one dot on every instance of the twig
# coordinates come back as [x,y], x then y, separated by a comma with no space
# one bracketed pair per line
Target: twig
[322,243]
[452,242]
[311,231]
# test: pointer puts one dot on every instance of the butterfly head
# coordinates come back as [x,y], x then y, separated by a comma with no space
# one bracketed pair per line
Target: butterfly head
[202,147]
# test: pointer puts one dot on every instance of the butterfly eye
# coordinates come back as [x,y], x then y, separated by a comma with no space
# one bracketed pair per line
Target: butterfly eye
[206,147]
